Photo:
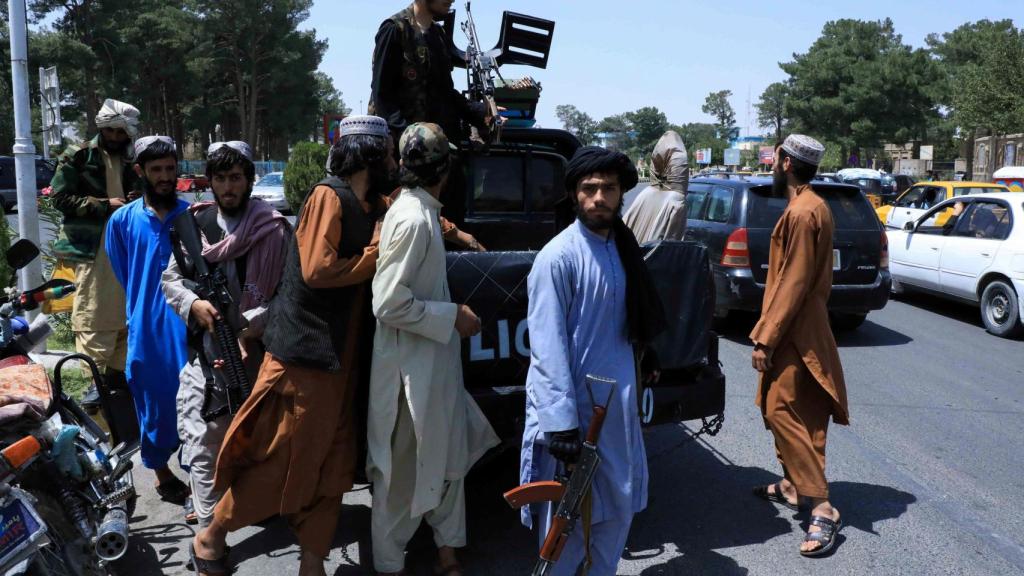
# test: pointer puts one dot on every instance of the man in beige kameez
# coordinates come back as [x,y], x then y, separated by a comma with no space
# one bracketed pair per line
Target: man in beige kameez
[425,431]
[802,384]
[92,180]
[659,211]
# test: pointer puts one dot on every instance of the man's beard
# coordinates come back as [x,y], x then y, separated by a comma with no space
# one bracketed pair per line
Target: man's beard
[780,186]
[155,199]
[235,211]
[112,148]
[597,224]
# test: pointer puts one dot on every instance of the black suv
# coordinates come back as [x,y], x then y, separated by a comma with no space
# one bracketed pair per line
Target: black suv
[735,219]
[8,183]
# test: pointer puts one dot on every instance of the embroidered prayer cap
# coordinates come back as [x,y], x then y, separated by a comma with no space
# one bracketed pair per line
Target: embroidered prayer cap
[115,114]
[424,146]
[363,125]
[147,142]
[237,145]
[804,148]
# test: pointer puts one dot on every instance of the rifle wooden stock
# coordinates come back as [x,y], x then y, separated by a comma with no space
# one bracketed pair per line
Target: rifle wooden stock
[596,423]
[534,492]
[555,540]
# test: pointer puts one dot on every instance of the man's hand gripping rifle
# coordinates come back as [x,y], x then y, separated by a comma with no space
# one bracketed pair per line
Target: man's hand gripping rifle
[570,492]
[211,285]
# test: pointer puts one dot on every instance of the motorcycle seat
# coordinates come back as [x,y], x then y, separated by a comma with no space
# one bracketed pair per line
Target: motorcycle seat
[25,392]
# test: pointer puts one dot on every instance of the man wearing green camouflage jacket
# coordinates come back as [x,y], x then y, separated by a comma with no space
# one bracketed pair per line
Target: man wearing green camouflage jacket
[92,180]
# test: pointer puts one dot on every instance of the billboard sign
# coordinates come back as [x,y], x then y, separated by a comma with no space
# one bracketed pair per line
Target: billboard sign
[766,155]
[732,156]
[703,155]
[331,122]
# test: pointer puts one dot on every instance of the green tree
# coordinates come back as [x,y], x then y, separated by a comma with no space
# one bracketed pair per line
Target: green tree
[578,122]
[305,168]
[649,124]
[954,53]
[980,94]
[717,104]
[329,101]
[699,135]
[771,108]
[859,86]
[619,130]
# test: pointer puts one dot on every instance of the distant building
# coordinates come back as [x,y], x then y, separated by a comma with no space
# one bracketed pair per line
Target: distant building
[1008,151]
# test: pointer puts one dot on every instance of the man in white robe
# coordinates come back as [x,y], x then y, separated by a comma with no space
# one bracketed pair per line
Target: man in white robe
[425,431]
[659,211]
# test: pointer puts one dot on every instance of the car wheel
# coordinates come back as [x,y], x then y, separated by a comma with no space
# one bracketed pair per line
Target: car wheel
[844,322]
[1000,310]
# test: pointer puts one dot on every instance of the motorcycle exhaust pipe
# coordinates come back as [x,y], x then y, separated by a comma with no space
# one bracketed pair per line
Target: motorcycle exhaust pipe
[112,537]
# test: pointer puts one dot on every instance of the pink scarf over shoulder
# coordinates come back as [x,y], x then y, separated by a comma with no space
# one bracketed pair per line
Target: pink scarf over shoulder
[261,236]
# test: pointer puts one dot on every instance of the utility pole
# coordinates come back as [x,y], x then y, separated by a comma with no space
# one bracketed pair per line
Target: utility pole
[24,150]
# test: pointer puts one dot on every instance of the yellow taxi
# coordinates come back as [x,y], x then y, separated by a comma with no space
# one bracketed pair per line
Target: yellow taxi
[917,199]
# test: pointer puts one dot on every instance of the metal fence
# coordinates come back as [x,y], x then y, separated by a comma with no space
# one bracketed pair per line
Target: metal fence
[199,167]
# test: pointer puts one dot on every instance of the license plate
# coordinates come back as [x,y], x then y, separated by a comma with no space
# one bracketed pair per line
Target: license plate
[835,260]
[20,528]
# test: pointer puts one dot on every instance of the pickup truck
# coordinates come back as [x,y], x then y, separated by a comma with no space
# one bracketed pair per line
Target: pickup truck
[509,205]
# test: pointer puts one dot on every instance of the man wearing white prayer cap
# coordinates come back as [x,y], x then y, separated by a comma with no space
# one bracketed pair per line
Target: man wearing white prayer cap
[802,385]
[92,180]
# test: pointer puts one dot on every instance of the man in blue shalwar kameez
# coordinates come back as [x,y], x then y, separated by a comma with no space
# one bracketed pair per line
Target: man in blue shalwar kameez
[139,246]
[591,310]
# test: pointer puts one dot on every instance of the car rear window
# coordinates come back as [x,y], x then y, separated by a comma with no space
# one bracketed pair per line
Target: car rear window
[850,210]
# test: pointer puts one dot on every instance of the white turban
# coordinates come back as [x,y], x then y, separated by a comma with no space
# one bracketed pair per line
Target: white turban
[116,114]
[146,142]
[237,145]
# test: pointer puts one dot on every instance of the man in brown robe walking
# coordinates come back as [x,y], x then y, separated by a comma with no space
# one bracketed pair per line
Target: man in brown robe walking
[801,376]
[291,448]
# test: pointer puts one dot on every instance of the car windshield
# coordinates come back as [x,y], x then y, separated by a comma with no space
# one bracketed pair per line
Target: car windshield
[850,210]
[270,180]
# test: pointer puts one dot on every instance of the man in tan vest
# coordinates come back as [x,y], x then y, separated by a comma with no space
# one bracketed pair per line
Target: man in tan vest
[801,376]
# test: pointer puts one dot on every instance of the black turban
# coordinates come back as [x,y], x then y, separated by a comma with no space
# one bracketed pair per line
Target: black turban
[591,159]
[644,312]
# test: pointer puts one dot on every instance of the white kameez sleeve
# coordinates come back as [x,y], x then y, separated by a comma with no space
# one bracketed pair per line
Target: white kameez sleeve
[394,303]
[550,383]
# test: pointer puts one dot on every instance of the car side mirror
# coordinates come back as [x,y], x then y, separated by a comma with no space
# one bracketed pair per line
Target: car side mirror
[908,226]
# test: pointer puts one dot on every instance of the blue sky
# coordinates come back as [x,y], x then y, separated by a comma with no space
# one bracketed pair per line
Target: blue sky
[615,56]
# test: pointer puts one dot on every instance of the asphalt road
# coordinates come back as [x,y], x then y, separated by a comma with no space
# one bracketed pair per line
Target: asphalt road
[928,477]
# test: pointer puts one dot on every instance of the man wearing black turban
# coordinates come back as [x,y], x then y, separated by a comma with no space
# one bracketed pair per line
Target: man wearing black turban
[592,310]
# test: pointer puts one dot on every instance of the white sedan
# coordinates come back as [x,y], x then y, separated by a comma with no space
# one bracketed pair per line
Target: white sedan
[270,189]
[976,257]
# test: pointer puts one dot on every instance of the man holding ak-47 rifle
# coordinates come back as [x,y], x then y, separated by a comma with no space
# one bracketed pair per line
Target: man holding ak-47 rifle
[412,82]
[592,309]
[243,243]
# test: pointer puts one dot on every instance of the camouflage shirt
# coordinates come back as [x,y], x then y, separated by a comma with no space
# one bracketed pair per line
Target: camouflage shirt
[79,191]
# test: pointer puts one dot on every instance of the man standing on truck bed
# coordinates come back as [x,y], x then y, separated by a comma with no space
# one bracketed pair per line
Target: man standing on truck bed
[412,82]
[659,211]
[92,180]
[591,306]
[801,376]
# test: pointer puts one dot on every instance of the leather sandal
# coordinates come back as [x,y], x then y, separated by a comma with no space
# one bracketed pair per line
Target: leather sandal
[775,497]
[825,537]
[204,567]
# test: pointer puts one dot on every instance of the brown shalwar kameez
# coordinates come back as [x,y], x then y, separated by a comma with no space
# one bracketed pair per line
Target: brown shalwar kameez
[805,386]
[291,449]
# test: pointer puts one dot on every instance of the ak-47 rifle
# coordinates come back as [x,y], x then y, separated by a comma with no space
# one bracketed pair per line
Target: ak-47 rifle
[211,284]
[569,493]
[481,67]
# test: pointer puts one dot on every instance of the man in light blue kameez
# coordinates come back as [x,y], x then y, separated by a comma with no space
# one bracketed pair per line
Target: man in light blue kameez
[591,308]
[139,246]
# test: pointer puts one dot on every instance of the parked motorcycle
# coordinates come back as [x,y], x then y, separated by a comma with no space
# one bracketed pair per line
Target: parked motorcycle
[65,494]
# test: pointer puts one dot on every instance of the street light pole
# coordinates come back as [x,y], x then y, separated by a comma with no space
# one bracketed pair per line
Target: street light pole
[24,150]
